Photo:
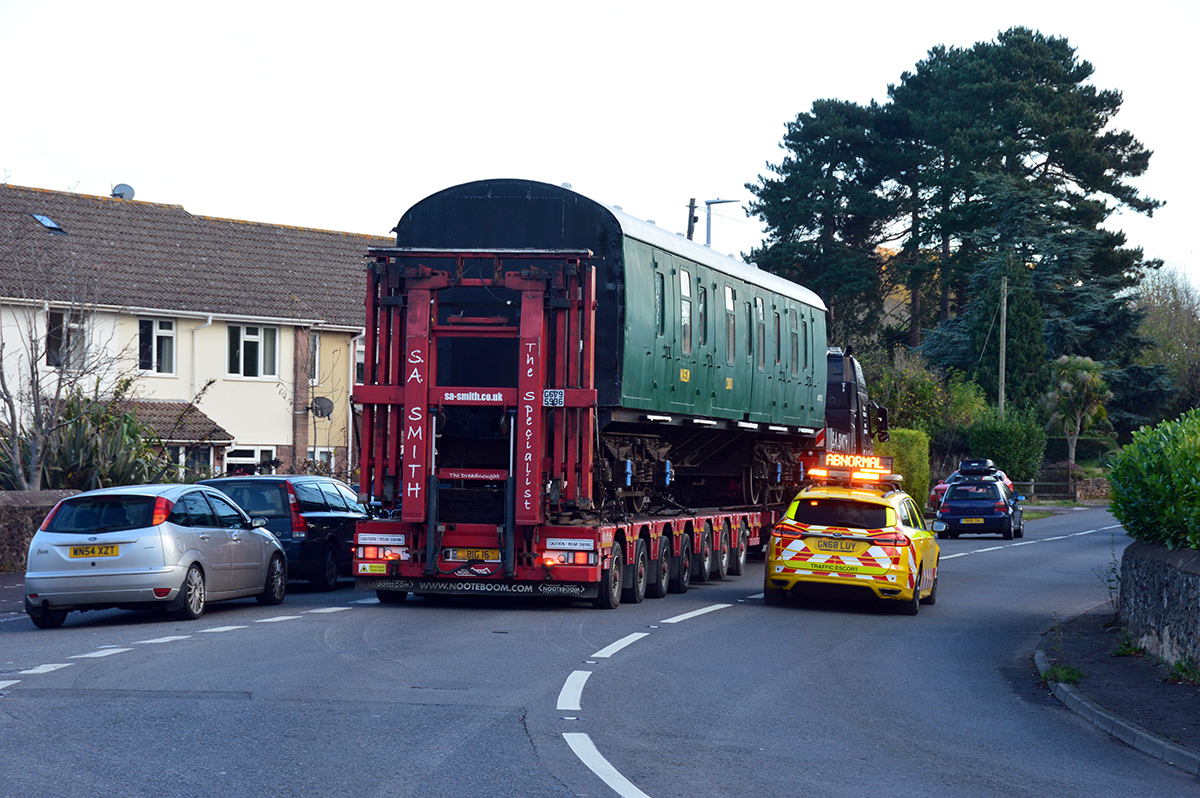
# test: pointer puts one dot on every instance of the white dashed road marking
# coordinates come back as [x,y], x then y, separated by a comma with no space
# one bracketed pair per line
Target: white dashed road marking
[9,683]
[572,691]
[47,668]
[221,629]
[609,650]
[170,639]
[279,618]
[328,609]
[103,653]
[583,747]
[696,613]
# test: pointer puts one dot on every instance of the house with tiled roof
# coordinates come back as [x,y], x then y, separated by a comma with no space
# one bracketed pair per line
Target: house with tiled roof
[252,326]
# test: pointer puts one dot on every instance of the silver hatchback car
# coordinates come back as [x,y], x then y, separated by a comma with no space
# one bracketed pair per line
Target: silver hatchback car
[149,546]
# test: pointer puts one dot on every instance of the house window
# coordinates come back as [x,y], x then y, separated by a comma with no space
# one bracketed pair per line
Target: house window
[50,225]
[66,342]
[192,461]
[360,361]
[156,345]
[314,357]
[250,461]
[322,455]
[253,350]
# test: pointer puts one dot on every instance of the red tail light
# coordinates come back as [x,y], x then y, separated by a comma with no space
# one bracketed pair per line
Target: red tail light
[1001,507]
[46,521]
[891,540]
[162,510]
[299,525]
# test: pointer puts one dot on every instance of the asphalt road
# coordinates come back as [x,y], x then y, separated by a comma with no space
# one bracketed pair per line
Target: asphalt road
[333,694]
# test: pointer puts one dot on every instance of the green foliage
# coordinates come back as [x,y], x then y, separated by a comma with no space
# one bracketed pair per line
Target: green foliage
[1155,483]
[1064,674]
[1076,398]
[1016,443]
[910,448]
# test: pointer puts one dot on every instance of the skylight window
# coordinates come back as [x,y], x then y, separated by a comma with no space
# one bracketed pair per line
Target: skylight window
[50,225]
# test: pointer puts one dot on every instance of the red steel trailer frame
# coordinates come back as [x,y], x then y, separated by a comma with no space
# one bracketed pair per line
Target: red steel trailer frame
[552,542]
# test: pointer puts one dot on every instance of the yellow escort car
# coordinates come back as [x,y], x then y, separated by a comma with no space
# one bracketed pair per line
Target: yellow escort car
[854,530]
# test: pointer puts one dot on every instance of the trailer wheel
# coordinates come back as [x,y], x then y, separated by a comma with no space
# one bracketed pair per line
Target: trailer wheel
[683,575]
[391,596]
[610,581]
[720,560]
[702,565]
[636,592]
[662,569]
[737,563]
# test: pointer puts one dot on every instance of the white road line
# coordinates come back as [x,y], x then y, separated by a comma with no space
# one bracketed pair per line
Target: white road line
[572,691]
[97,654]
[1058,537]
[170,639]
[279,618]
[47,668]
[329,609]
[9,683]
[757,595]
[221,629]
[366,601]
[990,548]
[613,648]
[583,747]
[695,613]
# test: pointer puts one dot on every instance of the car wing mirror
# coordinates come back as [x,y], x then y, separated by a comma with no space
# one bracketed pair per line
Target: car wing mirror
[258,523]
[939,526]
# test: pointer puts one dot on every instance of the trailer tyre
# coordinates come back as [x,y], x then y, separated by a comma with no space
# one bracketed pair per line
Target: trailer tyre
[610,581]
[636,592]
[737,563]
[703,561]
[391,596]
[662,570]
[683,575]
[720,560]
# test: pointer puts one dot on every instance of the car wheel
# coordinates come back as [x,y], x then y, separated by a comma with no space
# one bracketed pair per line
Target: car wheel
[703,559]
[775,596]
[1021,528]
[194,595]
[610,581]
[662,569]
[276,587]
[44,618]
[913,605]
[683,576]
[326,577]
[636,593]
[932,597]
[1008,530]
[391,596]
[720,559]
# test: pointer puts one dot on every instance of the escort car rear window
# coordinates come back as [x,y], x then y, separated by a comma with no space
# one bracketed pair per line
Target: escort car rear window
[840,512]
[265,499]
[102,514]
[310,497]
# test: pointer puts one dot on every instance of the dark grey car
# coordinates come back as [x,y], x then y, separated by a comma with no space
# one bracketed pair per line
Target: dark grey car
[314,518]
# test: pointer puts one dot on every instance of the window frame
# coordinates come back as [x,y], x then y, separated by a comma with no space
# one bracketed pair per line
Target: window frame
[152,348]
[66,341]
[263,339]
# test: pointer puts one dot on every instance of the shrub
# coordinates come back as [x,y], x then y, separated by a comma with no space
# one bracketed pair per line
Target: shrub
[910,448]
[1016,444]
[1156,483]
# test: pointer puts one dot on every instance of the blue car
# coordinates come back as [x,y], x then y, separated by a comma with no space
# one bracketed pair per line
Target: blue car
[982,505]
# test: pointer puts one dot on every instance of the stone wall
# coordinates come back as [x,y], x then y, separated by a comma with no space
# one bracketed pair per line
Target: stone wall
[21,513]
[1160,599]
[1096,488]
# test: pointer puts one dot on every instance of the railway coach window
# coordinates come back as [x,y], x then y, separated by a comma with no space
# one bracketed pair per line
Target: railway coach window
[685,322]
[778,342]
[794,339]
[702,315]
[660,323]
[730,326]
[760,333]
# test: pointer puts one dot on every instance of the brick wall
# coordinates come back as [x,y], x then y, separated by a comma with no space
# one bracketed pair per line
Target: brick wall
[1160,599]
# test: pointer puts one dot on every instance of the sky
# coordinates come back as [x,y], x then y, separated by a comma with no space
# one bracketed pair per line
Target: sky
[340,116]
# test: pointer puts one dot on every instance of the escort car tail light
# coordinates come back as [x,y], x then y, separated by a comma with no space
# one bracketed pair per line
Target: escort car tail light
[1001,506]
[299,525]
[162,510]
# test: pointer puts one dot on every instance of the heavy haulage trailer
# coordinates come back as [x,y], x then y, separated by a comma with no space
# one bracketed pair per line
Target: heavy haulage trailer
[562,400]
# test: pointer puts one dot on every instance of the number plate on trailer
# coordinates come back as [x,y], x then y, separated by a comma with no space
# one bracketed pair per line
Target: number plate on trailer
[972,521]
[95,551]
[487,555]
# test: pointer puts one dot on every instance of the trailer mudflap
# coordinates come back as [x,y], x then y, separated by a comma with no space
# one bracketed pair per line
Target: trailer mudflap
[481,587]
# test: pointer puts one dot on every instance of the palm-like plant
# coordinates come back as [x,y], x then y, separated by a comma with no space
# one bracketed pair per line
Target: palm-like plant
[1076,398]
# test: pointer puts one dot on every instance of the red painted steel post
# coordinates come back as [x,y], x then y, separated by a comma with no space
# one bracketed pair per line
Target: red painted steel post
[530,454]
[416,404]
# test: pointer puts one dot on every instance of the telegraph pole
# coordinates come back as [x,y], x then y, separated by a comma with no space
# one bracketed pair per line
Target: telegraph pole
[1003,335]
[708,208]
[692,217]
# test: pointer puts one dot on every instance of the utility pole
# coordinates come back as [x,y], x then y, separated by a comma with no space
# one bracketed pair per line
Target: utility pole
[692,217]
[1003,335]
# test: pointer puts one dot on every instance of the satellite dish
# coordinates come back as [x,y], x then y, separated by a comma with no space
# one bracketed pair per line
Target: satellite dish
[321,407]
[123,191]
